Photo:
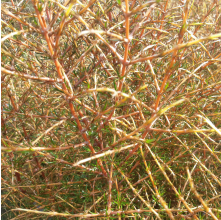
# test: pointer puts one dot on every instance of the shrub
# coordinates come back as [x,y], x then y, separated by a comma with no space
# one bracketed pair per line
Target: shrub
[111,109]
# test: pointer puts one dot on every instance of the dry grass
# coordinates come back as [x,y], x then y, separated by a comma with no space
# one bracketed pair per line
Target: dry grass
[111,110]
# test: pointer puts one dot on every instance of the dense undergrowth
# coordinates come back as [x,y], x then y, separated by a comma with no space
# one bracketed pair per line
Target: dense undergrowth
[111,109]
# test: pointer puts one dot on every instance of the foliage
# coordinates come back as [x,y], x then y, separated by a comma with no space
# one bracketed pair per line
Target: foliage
[111,109]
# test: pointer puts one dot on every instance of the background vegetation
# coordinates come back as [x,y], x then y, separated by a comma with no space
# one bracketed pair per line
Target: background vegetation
[111,109]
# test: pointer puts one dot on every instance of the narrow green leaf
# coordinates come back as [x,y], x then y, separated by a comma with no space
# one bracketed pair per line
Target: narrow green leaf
[119,2]
[149,141]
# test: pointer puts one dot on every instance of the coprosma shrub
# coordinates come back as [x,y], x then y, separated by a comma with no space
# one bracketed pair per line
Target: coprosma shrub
[111,109]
